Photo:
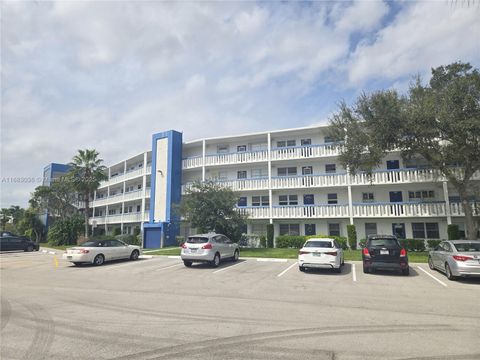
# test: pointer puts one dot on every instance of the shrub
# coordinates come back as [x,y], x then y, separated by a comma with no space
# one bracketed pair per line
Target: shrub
[270,235]
[136,231]
[117,231]
[66,231]
[98,231]
[413,244]
[263,241]
[180,240]
[352,236]
[432,244]
[129,239]
[291,241]
[341,240]
[453,232]
[362,243]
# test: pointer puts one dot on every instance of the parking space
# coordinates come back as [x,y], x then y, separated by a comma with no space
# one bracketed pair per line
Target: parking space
[253,308]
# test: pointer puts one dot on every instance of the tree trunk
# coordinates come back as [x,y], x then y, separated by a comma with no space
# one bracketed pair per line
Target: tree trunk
[87,209]
[471,224]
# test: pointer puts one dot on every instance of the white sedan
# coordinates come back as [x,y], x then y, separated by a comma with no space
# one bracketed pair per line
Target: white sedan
[321,253]
[98,251]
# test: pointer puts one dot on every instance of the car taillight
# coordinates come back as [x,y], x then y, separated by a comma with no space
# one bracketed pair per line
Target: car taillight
[183,246]
[301,252]
[84,251]
[462,257]
[366,252]
[333,253]
[403,252]
[207,246]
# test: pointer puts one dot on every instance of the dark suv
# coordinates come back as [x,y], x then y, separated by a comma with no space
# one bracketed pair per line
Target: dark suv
[384,252]
[9,242]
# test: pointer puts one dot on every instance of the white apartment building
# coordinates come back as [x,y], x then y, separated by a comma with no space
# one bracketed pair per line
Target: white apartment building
[290,178]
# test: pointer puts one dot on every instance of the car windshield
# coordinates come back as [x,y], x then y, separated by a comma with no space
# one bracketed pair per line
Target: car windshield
[467,247]
[320,244]
[197,240]
[384,243]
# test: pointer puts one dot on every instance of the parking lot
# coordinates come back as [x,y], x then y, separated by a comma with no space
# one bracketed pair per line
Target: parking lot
[155,308]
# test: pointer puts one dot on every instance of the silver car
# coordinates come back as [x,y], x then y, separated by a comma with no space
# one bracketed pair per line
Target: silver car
[456,258]
[211,248]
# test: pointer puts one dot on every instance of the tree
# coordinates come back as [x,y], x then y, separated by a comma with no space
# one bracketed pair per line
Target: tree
[86,173]
[66,231]
[210,207]
[439,122]
[58,199]
[10,217]
[31,226]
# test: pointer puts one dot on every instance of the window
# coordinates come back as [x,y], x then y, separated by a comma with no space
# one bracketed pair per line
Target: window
[307,170]
[112,211]
[368,197]
[242,174]
[288,200]
[139,187]
[256,173]
[330,168]
[241,148]
[290,171]
[334,229]
[286,143]
[329,139]
[139,208]
[222,175]
[370,229]
[222,149]
[310,229]
[260,200]
[289,229]
[332,199]
[421,195]
[259,228]
[425,231]
[242,201]
[306,142]
[308,199]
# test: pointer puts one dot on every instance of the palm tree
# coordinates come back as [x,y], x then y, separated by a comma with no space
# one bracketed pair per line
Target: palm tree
[86,173]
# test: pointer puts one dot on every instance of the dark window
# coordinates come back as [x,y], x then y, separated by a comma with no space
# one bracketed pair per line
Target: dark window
[370,229]
[368,197]
[242,174]
[330,168]
[308,199]
[421,195]
[241,148]
[334,229]
[289,229]
[260,201]
[319,244]
[329,139]
[306,142]
[288,200]
[197,240]
[139,207]
[307,170]
[418,230]
[242,201]
[432,230]
[291,143]
[290,171]
[332,199]
[310,229]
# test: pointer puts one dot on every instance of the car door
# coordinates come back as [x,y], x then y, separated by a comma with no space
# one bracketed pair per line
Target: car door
[17,243]
[220,245]
[106,248]
[436,255]
[447,250]
[123,249]
[229,246]
[5,243]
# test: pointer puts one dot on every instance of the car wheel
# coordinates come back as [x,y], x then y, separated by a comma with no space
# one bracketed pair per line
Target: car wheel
[29,248]
[216,260]
[406,272]
[339,270]
[430,263]
[187,263]
[135,254]
[343,261]
[301,268]
[236,255]
[366,270]
[448,272]
[99,260]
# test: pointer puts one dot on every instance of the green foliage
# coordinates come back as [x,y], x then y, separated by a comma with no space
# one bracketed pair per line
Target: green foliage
[104,237]
[136,231]
[447,109]
[270,235]
[453,232]
[117,231]
[341,240]
[180,239]
[211,207]
[362,243]
[432,244]
[263,241]
[65,231]
[352,236]
[129,239]
[413,244]
[31,226]
[11,218]
[297,241]
[98,231]
[58,198]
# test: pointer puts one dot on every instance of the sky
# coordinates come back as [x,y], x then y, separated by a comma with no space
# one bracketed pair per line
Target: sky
[109,74]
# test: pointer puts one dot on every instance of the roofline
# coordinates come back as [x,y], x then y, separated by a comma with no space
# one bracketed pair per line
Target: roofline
[256,133]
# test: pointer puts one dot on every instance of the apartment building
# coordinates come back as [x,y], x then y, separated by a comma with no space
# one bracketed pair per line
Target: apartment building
[290,178]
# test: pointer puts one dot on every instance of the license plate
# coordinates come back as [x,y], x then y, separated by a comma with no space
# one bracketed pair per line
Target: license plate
[69,257]
[384,252]
[193,250]
[317,254]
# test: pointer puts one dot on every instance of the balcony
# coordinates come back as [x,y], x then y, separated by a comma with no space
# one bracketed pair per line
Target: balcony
[119,198]
[375,210]
[132,174]
[305,152]
[117,219]
[237,185]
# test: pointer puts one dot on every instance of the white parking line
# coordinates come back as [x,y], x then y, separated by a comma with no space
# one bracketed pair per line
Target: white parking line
[228,267]
[284,271]
[354,272]
[271,260]
[167,267]
[433,277]
[174,257]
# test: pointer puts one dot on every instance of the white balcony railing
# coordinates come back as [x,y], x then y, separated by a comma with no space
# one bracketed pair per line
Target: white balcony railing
[192,162]
[307,181]
[118,218]
[119,198]
[303,152]
[400,210]
[236,158]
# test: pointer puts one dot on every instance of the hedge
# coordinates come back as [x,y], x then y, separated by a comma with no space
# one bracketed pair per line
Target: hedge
[270,235]
[413,244]
[453,232]
[352,236]
[432,244]
[297,241]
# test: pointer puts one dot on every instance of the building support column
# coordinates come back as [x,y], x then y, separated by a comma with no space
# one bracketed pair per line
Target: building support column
[144,190]
[123,197]
[203,159]
[447,203]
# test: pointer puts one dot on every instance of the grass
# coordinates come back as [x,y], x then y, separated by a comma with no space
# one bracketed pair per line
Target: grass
[350,255]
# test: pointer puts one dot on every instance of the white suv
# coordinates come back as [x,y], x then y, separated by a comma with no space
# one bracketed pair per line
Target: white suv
[211,248]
